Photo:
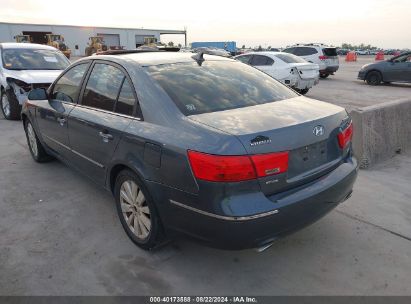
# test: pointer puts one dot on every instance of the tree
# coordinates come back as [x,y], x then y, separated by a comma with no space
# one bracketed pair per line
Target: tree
[243,47]
[259,48]
[269,48]
[179,45]
[362,46]
[171,43]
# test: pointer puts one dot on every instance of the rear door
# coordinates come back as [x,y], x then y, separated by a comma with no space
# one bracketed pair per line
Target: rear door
[95,126]
[52,115]
[307,53]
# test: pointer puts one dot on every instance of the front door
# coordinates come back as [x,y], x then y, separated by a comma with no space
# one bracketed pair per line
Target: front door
[52,115]
[399,69]
[97,124]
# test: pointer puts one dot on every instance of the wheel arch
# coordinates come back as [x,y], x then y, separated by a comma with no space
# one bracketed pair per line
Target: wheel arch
[115,169]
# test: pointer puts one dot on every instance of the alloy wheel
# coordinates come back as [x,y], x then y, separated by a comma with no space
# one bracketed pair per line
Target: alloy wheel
[5,105]
[135,209]
[32,139]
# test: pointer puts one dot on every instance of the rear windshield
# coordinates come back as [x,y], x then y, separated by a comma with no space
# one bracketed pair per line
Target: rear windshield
[330,52]
[217,86]
[290,58]
[32,59]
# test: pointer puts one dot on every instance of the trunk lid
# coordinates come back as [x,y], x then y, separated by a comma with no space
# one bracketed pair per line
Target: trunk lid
[286,125]
[307,70]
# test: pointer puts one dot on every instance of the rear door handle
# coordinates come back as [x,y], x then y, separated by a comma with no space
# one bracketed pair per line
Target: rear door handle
[61,121]
[106,136]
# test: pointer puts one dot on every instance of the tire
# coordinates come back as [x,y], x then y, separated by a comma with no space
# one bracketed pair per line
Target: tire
[303,91]
[36,148]
[323,76]
[137,212]
[374,78]
[9,105]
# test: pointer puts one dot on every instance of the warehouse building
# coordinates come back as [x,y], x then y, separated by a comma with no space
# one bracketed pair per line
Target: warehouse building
[77,37]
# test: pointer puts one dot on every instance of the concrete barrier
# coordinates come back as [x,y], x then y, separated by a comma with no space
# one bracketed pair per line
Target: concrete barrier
[381,131]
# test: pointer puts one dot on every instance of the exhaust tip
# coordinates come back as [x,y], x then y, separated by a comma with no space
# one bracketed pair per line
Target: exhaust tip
[264,248]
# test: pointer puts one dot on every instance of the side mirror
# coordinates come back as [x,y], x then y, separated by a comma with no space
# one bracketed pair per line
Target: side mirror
[38,94]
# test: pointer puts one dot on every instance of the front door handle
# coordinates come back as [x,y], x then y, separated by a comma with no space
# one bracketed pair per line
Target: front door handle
[61,121]
[106,136]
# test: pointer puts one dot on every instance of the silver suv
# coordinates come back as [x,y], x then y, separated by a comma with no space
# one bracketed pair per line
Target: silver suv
[326,57]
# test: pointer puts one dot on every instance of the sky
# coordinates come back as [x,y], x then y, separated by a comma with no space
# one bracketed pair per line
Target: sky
[383,23]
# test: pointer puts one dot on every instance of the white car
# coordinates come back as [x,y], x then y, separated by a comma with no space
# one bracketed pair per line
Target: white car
[325,56]
[24,67]
[289,69]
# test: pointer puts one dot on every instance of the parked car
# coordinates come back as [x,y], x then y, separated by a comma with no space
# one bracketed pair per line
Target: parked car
[396,69]
[289,69]
[342,52]
[203,145]
[362,52]
[326,57]
[26,66]
[213,51]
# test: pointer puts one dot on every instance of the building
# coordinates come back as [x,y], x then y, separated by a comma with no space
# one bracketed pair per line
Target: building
[77,37]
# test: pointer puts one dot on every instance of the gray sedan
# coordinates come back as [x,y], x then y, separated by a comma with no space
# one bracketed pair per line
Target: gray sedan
[396,69]
[195,144]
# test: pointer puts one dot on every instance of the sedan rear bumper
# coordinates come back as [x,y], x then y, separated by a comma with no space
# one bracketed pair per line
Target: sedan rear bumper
[291,211]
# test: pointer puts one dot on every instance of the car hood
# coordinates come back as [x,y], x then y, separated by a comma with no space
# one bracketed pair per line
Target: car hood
[374,65]
[269,116]
[34,76]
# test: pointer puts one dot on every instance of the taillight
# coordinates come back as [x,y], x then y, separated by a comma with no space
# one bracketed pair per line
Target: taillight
[270,164]
[323,57]
[345,136]
[221,168]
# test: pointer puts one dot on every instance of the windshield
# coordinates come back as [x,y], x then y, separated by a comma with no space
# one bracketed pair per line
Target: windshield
[290,58]
[217,86]
[32,59]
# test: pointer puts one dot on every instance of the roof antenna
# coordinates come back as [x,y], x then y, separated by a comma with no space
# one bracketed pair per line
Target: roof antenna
[199,57]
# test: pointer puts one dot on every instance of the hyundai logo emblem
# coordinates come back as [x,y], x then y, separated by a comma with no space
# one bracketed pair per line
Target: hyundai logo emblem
[318,130]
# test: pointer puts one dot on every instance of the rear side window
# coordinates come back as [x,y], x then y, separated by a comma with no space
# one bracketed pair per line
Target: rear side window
[305,51]
[290,58]
[289,50]
[243,59]
[67,87]
[103,87]
[259,60]
[126,100]
[217,86]
[330,52]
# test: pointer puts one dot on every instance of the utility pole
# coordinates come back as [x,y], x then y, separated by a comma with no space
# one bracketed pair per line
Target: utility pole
[185,36]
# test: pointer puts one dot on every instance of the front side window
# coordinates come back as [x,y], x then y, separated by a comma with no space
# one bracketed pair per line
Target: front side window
[68,86]
[103,87]
[32,59]
[217,86]
[259,60]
